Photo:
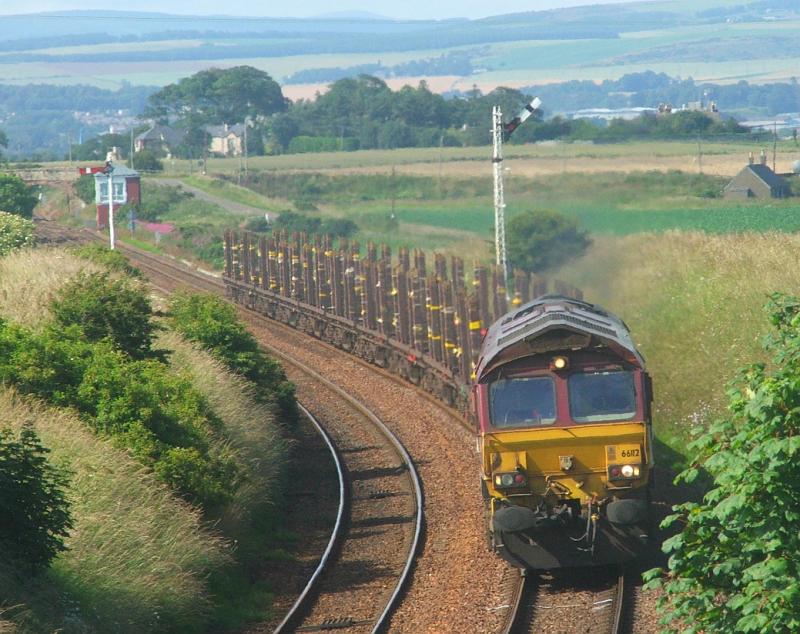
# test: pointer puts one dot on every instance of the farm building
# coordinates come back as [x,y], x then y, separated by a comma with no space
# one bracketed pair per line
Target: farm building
[757,180]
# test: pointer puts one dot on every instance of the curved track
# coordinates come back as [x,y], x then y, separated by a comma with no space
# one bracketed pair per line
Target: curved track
[381,535]
[489,594]
[378,529]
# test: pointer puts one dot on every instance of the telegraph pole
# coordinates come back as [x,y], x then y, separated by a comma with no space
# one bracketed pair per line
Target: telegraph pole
[499,129]
[110,174]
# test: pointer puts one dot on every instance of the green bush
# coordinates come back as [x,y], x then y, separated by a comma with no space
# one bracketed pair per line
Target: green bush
[106,307]
[34,513]
[258,224]
[15,232]
[211,322]
[163,420]
[538,241]
[16,197]
[50,365]
[84,188]
[140,404]
[734,565]
[146,161]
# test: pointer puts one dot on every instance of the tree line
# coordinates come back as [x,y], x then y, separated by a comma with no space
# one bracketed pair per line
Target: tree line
[364,113]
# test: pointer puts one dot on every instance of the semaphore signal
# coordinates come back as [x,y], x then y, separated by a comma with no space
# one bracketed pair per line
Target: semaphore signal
[499,131]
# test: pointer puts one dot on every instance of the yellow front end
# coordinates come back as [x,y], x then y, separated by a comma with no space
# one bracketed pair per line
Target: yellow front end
[569,477]
[581,462]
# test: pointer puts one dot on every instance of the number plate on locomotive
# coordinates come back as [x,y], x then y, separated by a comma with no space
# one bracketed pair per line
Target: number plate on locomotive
[630,454]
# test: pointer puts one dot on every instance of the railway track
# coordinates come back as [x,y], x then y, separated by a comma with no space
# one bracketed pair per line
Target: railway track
[370,555]
[546,604]
[377,533]
[585,601]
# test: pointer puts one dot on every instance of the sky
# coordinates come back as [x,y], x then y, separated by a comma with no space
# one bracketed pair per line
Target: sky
[405,9]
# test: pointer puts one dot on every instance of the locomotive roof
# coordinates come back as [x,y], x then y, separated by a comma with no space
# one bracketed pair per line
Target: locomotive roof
[545,314]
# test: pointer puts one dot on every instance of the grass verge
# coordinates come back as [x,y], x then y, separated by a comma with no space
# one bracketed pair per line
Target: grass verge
[694,303]
[138,558]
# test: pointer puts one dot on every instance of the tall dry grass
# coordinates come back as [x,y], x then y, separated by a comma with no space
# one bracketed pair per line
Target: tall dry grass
[694,303]
[30,279]
[249,426]
[138,558]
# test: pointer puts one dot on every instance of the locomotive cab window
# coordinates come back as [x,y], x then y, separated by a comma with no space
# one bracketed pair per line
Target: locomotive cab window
[522,402]
[601,396]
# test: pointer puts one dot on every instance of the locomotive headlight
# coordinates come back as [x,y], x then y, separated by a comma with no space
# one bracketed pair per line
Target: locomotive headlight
[627,472]
[559,363]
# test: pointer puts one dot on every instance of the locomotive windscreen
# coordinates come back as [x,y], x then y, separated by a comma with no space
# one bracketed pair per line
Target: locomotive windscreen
[601,396]
[523,402]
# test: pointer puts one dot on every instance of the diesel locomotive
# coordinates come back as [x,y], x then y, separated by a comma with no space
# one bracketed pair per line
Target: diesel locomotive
[562,401]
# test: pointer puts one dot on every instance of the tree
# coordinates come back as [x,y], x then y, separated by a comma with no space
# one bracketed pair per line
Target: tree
[16,197]
[734,566]
[542,240]
[148,161]
[217,96]
[96,149]
[3,142]
[34,513]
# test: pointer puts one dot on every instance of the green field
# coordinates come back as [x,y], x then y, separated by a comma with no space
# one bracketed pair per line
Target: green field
[683,43]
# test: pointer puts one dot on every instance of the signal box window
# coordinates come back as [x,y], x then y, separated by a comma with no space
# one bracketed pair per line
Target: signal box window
[523,402]
[595,397]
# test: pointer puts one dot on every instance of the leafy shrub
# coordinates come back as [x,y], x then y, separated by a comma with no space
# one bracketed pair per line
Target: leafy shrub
[165,422]
[734,566]
[147,161]
[15,232]
[34,514]
[291,221]
[542,240]
[140,404]
[16,197]
[111,260]
[211,322]
[50,365]
[105,307]
[258,224]
[84,188]
[340,227]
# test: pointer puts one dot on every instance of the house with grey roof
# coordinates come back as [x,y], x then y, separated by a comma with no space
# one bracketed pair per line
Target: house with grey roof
[159,138]
[757,180]
[225,140]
